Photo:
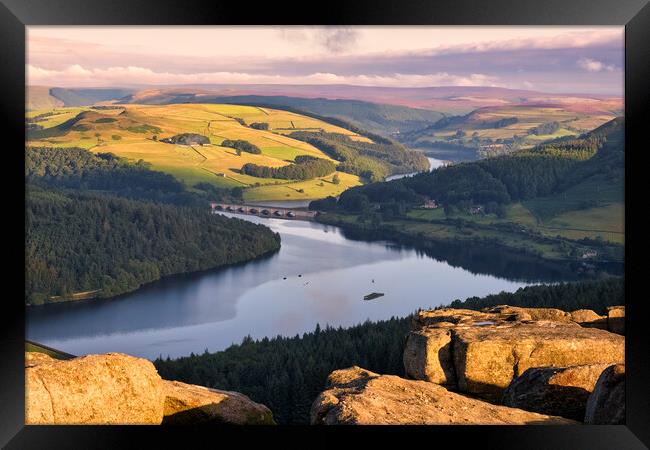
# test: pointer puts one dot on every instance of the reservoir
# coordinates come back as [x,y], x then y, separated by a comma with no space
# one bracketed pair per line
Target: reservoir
[433,164]
[320,275]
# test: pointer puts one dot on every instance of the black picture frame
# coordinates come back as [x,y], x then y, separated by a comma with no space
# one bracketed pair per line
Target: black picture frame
[16,14]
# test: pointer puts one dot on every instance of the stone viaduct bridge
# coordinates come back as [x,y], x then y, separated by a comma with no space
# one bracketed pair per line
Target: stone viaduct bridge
[264,211]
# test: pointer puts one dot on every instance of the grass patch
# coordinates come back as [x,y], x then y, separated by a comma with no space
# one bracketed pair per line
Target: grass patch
[591,194]
[311,189]
[130,133]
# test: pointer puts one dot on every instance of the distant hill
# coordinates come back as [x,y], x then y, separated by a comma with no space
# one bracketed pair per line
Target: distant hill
[450,100]
[594,183]
[548,171]
[454,123]
[572,186]
[43,97]
[381,119]
[39,97]
[491,120]
[86,97]
[495,130]
[456,100]
[280,138]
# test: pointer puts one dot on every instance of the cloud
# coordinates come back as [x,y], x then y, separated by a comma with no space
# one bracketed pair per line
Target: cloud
[77,75]
[331,39]
[575,39]
[592,65]
[337,40]
[580,61]
[293,35]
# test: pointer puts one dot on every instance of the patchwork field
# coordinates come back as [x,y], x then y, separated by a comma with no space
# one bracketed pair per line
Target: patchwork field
[136,131]
[482,124]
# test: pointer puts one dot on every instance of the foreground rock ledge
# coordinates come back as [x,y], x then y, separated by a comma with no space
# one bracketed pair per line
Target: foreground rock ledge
[120,389]
[105,389]
[558,391]
[358,396]
[187,404]
[482,352]
[606,404]
[616,319]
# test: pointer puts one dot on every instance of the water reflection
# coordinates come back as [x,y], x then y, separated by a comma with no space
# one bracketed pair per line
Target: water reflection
[478,258]
[319,275]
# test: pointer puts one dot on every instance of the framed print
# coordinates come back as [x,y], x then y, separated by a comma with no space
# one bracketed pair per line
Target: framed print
[410,218]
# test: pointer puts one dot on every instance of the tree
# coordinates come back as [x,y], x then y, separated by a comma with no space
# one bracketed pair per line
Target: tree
[375,220]
[325,204]
[260,125]
[354,202]
[240,144]
[336,179]
[303,169]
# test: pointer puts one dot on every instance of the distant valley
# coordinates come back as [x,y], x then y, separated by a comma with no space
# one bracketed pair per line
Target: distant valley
[455,123]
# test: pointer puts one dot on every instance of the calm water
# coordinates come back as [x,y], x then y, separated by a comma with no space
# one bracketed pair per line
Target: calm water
[433,162]
[327,275]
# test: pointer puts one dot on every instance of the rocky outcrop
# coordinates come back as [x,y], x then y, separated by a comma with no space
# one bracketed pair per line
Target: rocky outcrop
[33,359]
[427,356]
[482,352]
[606,404]
[120,389]
[557,391]
[588,318]
[553,314]
[616,319]
[187,404]
[94,389]
[358,396]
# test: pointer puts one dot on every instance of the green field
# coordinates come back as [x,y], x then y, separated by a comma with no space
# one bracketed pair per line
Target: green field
[135,131]
[480,124]
[316,188]
[604,222]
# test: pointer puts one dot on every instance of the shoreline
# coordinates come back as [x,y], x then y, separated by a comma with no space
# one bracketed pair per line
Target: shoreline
[152,282]
[388,231]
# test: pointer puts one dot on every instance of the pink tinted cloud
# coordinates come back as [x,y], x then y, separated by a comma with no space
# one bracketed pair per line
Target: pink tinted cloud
[592,65]
[77,75]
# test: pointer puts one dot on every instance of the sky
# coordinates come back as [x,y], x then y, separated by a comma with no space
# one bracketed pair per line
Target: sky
[548,59]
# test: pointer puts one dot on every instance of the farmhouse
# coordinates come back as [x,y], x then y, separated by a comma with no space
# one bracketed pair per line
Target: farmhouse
[589,254]
[492,147]
[430,204]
